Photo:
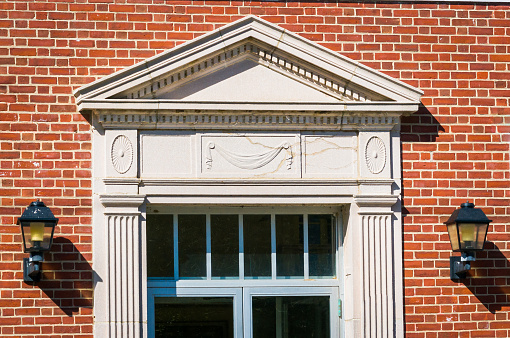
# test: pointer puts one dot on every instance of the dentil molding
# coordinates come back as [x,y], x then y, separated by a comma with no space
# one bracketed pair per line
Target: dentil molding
[247,121]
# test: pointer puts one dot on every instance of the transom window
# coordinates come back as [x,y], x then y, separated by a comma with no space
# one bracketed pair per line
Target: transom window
[241,246]
[242,272]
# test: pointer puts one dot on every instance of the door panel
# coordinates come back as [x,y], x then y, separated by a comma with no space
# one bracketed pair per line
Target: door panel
[291,317]
[195,312]
[283,312]
[194,317]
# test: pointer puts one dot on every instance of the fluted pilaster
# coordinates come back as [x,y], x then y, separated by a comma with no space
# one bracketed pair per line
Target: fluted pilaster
[378,273]
[123,275]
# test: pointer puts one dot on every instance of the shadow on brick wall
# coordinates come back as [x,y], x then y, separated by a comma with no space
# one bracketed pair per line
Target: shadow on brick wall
[488,279]
[420,126]
[67,278]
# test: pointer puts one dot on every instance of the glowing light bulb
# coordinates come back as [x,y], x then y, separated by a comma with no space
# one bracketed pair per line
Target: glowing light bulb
[37,232]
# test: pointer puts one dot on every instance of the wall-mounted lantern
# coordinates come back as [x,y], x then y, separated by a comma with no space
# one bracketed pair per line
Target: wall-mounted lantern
[467,228]
[37,226]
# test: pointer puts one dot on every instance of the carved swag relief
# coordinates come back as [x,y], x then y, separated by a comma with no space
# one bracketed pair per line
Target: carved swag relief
[251,161]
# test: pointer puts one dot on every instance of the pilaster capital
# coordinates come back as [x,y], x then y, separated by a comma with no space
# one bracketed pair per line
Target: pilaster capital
[121,204]
[375,204]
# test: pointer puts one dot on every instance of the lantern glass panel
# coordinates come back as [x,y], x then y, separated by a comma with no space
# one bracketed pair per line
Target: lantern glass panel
[454,238]
[37,235]
[472,235]
[481,234]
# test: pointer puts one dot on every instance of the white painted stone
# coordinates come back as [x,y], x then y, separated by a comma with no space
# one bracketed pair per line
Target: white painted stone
[330,155]
[173,152]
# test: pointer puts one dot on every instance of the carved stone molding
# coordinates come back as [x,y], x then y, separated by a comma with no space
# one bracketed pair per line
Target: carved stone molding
[368,201]
[122,200]
[375,155]
[122,154]
[236,120]
[250,162]
[276,61]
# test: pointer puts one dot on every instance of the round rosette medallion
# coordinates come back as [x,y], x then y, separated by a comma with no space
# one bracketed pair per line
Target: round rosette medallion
[122,154]
[375,155]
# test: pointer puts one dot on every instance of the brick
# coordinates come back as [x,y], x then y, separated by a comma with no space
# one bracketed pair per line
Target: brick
[455,148]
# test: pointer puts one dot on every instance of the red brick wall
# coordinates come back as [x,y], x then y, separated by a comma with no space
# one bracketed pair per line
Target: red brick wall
[456,148]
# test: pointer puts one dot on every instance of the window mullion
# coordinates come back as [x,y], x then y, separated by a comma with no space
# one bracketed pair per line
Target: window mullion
[176,247]
[273,246]
[241,247]
[305,247]
[208,246]
[338,230]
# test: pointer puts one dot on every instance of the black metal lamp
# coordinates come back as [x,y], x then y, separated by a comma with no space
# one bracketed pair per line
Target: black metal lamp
[467,228]
[37,226]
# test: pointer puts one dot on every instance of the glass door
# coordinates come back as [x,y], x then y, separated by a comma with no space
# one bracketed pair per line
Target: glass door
[195,313]
[284,312]
[249,312]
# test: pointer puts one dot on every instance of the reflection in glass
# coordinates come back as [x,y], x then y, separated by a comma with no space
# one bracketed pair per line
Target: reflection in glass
[225,245]
[194,317]
[454,239]
[321,246]
[472,235]
[291,317]
[160,245]
[257,245]
[192,246]
[289,246]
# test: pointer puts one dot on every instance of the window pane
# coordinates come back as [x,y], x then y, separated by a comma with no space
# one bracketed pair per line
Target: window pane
[160,245]
[194,317]
[291,317]
[225,245]
[192,245]
[289,246]
[321,246]
[257,245]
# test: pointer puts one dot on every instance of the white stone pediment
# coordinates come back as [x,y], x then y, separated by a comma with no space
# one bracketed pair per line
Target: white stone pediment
[249,65]
[244,81]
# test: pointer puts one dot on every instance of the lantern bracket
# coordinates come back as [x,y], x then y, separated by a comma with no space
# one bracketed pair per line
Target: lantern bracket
[32,267]
[468,256]
[458,268]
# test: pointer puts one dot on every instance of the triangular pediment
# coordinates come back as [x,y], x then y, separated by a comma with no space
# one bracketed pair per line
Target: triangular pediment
[245,81]
[249,64]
